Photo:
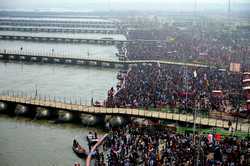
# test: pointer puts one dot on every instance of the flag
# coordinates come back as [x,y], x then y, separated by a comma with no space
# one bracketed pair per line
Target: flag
[195,74]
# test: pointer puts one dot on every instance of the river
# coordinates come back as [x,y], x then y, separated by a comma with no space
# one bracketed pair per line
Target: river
[25,141]
[75,82]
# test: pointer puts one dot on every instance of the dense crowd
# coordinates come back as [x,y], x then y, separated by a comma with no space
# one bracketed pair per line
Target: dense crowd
[155,86]
[150,146]
[159,86]
[175,86]
[214,53]
[190,44]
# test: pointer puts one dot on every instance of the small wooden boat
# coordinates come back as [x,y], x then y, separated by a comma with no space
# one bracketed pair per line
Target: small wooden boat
[79,150]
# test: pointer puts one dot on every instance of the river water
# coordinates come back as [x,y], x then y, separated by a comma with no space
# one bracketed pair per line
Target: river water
[24,142]
[75,82]
[31,142]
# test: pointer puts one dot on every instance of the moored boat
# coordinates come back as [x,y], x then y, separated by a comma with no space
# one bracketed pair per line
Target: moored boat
[79,150]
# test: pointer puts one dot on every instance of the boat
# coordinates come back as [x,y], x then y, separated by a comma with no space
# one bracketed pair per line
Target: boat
[79,150]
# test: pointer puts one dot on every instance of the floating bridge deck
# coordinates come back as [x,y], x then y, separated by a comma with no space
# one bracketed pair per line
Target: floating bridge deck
[60,29]
[51,103]
[22,56]
[70,40]
[57,23]
[102,41]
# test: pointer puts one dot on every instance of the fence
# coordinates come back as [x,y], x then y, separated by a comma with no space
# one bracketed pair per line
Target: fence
[78,106]
[34,95]
[53,54]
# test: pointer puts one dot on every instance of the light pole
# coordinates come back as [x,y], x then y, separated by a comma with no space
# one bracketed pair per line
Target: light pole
[52,51]
[248,131]
[196,105]
[194,127]
[195,115]
[238,95]
[36,91]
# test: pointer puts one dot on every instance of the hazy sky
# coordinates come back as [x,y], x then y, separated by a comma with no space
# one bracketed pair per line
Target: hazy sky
[112,4]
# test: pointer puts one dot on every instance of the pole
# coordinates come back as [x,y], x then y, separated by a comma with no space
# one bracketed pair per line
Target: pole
[248,132]
[194,127]
[248,135]
[237,119]
[35,91]
[198,154]
[186,88]
[238,111]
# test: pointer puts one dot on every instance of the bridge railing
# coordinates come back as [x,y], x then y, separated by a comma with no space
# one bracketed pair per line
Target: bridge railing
[88,58]
[58,23]
[77,104]
[39,53]
[33,95]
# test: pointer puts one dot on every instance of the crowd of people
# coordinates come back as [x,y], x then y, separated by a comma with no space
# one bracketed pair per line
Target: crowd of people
[155,146]
[179,86]
[162,86]
[158,86]
[190,44]
[214,54]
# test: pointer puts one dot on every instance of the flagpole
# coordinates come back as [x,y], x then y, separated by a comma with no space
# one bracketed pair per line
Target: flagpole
[194,127]
[186,87]
[195,109]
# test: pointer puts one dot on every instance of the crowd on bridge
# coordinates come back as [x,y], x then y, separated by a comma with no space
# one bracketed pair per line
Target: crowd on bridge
[155,146]
[161,86]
